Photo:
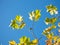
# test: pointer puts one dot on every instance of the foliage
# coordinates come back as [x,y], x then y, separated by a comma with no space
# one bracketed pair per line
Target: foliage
[24,41]
[18,23]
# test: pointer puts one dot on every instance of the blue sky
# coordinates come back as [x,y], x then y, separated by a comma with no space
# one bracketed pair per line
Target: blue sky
[10,8]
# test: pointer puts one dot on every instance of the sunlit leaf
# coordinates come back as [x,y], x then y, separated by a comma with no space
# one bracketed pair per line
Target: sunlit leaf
[14,24]
[52,9]
[53,26]
[12,42]
[17,23]
[47,31]
[19,18]
[50,20]
[34,15]
[35,41]
[55,38]
[50,36]
[24,39]
[22,25]
[58,40]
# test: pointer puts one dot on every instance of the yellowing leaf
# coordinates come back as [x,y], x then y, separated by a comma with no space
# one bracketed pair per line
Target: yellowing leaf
[24,39]
[22,44]
[55,38]
[53,20]
[12,42]
[34,15]
[50,36]
[54,26]
[14,24]
[52,9]
[17,23]
[22,25]
[37,17]
[19,18]
[35,41]
[37,12]
[58,40]
[50,20]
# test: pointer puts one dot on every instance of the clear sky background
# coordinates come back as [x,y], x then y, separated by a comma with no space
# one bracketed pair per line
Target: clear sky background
[10,8]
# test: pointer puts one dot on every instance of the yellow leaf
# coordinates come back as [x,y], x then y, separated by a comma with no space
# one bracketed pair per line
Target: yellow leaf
[53,26]
[37,17]
[22,25]
[24,39]
[55,38]
[49,36]
[12,42]
[35,41]
[34,15]
[51,9]
[19,18]
[58,40]
[16,26]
